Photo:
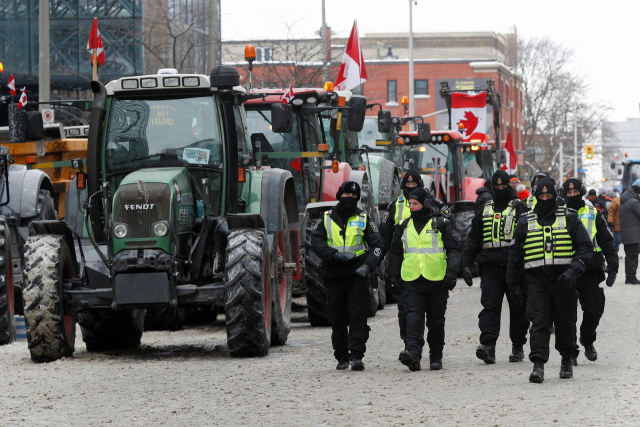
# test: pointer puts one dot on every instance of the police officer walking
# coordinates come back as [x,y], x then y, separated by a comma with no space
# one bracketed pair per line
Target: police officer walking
[591,295]
[348,243]
[553,248]
[425,260]
[488,244]
[398,211]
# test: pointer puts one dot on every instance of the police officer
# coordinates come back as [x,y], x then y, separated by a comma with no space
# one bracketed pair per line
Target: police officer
[488,245]
[531,200]
[553,248]
[591,295]
[349,245]
[397,211]
[425,260]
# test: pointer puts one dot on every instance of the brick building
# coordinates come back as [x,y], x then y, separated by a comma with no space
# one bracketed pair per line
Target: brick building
[465,60]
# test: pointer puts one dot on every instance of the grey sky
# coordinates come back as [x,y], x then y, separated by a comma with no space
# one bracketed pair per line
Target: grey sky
[604,35]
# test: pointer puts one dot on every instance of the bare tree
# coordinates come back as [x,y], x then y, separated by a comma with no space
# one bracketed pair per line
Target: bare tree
[554,96]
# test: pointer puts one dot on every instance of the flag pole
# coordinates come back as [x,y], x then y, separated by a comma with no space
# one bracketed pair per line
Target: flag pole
[359,59]
[94,57]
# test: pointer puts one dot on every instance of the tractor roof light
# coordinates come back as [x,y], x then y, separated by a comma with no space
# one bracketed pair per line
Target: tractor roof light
[328,86]
[311,100]
[446,138]
[297,102]
[461,127]
[475,148]
[404,100]
[171,82]
[1,68]
[249,53]
[130,84]
[335,166]
[149,82]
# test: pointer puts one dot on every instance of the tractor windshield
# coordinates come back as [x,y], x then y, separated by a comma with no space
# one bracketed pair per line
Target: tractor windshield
[369,135]
[421,157]
[167,132]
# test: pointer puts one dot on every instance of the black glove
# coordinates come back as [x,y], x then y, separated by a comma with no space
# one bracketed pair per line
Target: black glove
[377,277]
[568,279]
[516,294]
[343,257]
[611,276]
[611,225]
[363,271]
[449,282]
[467,275]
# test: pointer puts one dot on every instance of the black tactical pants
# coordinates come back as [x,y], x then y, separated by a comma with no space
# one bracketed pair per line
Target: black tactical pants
[434,306]
[494,287]
[402,316]
[545,297]
[591,297]
[631,260]
[347,307]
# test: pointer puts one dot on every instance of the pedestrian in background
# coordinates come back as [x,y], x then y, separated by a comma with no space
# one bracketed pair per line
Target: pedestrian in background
[484,194]
[629,213]
[614,220]
[349,245]
[514,181]
[425,260]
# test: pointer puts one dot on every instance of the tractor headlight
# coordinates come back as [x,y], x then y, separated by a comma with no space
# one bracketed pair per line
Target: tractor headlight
[160,229]
[120,230]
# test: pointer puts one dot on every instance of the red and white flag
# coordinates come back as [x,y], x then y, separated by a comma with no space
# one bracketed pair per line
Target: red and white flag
[512,160]
[470,110]
[352,72]
[95,42]
[288,96]
[23,98]
[12,86]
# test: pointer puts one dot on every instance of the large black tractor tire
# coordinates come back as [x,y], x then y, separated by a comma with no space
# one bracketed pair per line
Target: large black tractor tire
[282,286]
[248,283]
[51,331]
[316,288]
[108,330]
[463,221]
[46,209]
[164,319]
[7,303]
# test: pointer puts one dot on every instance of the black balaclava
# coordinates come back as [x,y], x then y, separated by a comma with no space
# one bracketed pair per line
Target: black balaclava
[573,202]
[424,198]
[545,186]
[410,176]
[504,195]
[347,206]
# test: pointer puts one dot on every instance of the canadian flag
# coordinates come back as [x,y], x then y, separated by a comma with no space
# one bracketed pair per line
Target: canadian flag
[352,72]
[470,110]
[95,42]
[512,161]
[23,98]
[288,96]
[12,86]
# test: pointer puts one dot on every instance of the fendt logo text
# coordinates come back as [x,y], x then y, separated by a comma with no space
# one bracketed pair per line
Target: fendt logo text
[144,207]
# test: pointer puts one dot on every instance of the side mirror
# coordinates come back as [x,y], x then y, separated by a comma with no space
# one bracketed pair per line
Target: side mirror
[35,126]
[384,121]
[619,171]
[281,118]
[424,132]
[357,111]
[485,158]
[613,165]
[530,154]
[501,156]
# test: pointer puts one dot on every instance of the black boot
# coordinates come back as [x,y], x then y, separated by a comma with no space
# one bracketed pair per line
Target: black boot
[574,361]
[357,365]
[342,365]
[486,353]
[537,376]
[435,364]
[517,354]
[566,368]
[590,352]
[410,360]
[631,281]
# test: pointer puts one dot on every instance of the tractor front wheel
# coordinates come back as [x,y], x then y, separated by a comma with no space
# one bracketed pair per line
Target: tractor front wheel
[51,331]
[247,292]
[107,330]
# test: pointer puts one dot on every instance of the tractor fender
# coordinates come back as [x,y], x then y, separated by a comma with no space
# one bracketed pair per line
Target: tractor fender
[25,186]
[314,210]
[332,181]
[59,228]
[359,177]
[278,198]
[469,187]
[429,182]
[381,174]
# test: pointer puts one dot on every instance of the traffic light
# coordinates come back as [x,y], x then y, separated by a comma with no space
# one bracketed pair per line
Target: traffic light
[589,152]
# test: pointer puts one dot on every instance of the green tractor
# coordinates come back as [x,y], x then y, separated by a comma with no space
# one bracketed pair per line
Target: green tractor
[173,212]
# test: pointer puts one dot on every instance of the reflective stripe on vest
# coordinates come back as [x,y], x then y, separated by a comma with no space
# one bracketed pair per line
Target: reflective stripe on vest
[530,202]
[401,212]
[424,253]
[548,245]
[354,234]
[588,217]
[498,228]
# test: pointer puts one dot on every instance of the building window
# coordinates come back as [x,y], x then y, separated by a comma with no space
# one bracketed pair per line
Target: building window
[263,54]
[421,87]
[392,91]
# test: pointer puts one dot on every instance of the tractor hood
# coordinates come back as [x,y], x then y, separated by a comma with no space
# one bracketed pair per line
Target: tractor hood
[469,187]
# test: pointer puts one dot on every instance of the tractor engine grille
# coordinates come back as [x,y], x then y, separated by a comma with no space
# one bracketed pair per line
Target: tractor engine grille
[132,207]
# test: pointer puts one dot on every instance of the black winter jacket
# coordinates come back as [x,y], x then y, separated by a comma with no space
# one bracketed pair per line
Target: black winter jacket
[484,195]
[372,257]
[451,242]
[494,257]
[579,237]
[629,217]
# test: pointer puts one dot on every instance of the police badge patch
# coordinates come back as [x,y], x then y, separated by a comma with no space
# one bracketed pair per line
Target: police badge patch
[377,252]
[315,227]
[373,226]
[385,217]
